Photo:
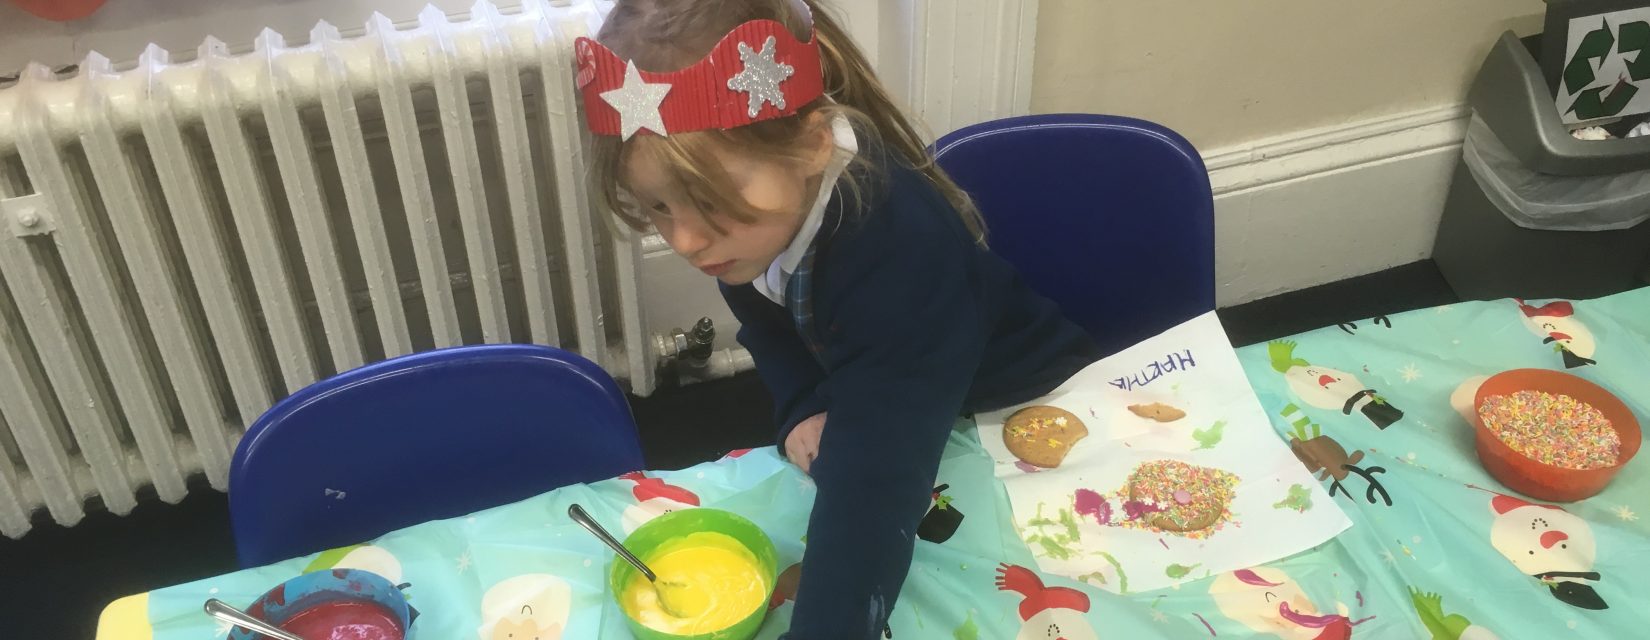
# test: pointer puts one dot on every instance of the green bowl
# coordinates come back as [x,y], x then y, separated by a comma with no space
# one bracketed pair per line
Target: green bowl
[673,526]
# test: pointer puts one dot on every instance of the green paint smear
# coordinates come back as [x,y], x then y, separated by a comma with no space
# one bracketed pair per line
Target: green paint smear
[1178,571]
[1122,578]
[1060,545]
[968,630]
[1298,499]
[1208,438]
[1069,519]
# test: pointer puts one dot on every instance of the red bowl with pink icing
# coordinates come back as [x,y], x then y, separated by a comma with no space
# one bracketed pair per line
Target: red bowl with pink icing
[341,604]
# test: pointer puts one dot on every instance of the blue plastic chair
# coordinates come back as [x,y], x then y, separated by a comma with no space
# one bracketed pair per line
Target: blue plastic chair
[421,437]
[1109,217]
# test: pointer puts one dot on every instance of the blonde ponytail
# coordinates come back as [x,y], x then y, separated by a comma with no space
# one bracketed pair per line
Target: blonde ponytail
[850,81]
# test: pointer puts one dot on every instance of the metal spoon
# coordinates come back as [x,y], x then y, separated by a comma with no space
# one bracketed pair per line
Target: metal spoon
[222,611]
[578,514]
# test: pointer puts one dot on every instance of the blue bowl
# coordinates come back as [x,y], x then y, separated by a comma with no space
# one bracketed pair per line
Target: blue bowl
[287,599]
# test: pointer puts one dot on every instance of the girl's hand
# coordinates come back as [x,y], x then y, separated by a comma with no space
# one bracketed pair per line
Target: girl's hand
[802,446]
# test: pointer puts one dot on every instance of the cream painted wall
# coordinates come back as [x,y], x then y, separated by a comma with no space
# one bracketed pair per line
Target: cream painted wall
[1229,71]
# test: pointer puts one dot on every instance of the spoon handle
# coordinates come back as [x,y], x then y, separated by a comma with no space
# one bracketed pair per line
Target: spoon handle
[223,611]
[578,514]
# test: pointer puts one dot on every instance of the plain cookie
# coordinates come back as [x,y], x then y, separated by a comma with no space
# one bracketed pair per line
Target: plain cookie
[1157,411]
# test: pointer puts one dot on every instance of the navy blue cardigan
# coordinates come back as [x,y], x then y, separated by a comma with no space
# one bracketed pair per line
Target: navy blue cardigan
[916,325]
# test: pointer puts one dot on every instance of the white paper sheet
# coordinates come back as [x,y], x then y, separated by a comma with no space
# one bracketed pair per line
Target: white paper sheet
[1279,508]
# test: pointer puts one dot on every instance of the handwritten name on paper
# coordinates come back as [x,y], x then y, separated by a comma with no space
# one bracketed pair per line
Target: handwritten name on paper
[1174,361]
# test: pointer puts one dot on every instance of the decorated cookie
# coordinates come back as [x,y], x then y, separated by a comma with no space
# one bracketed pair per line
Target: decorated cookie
[1157,411]
[1042,436]
[1187,497]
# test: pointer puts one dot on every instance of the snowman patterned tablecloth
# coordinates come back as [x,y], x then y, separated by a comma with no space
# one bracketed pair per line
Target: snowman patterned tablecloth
[1437,548]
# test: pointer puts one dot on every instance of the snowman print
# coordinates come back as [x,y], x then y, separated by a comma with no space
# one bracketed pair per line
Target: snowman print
[1048,613]
[1268,601]
[535,606]
[1549,544]
[362,557]
[654,498]
[1555,323]
[1328,388]
[373,559]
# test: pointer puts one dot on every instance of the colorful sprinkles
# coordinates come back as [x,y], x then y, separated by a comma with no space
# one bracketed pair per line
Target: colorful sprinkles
[1035,426]
[1553,429]
[1183,493]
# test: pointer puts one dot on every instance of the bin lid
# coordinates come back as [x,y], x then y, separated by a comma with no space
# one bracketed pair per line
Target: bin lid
[1536,200]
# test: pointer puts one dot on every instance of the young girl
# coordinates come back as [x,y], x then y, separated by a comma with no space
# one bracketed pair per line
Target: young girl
[753,136]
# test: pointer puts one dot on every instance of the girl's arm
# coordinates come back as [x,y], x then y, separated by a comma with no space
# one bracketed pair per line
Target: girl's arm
[790,372]
[904,340]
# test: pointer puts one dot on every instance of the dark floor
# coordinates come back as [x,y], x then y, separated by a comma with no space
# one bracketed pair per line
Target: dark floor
[55,581]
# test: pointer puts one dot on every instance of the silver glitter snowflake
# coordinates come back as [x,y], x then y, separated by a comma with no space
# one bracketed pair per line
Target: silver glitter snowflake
[761,76]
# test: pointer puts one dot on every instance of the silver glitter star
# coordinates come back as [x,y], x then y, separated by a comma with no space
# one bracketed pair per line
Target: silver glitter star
[638,103]
[761,76]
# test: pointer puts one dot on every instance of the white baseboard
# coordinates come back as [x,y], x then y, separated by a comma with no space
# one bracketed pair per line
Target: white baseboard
[1316,206]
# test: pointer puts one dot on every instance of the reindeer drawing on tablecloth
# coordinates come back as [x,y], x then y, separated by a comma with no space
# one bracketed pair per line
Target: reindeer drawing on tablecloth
[1324,456]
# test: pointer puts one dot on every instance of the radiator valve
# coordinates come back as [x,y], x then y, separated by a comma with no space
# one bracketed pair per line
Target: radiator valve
[691,348]
[700,342]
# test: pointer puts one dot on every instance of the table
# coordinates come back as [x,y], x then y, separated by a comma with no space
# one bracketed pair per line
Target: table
[1433,552]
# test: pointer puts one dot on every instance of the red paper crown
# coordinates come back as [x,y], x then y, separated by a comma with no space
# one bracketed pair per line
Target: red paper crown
[759,71]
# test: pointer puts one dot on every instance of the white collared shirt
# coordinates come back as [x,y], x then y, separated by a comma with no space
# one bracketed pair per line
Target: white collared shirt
[772,284]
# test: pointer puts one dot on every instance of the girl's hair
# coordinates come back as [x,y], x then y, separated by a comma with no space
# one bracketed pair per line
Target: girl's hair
[666,35]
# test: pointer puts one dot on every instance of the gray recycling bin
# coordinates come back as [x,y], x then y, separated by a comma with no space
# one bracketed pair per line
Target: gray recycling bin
[1533,212]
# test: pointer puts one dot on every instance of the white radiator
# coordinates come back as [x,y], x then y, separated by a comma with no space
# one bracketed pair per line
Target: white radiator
[185,242]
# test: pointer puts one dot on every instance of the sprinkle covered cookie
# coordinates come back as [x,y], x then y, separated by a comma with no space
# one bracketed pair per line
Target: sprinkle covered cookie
[1184,497]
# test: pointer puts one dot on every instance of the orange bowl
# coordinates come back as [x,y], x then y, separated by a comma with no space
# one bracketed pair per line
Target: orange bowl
[1538,479]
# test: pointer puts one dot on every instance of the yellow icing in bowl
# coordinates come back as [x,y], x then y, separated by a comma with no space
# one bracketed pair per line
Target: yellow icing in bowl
[712,580]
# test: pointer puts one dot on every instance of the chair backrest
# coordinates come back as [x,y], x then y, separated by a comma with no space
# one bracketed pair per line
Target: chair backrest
[1109,217]
[420,437]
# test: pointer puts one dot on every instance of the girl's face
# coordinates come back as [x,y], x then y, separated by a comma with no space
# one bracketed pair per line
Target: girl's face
[741,251]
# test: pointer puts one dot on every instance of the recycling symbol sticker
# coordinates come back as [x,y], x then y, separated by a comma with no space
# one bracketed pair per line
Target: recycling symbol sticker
[1604,67]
